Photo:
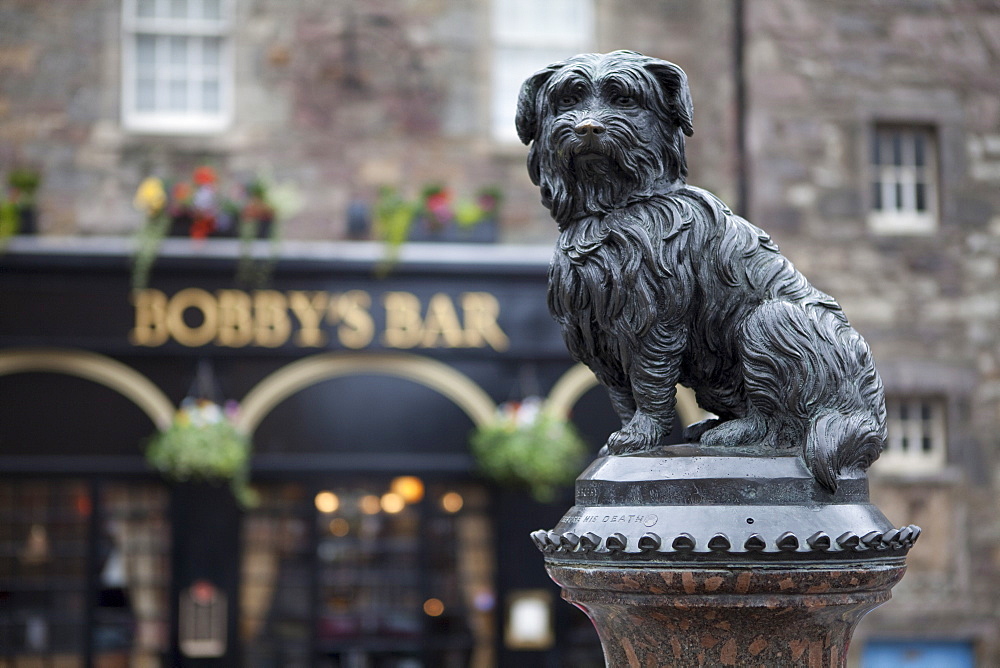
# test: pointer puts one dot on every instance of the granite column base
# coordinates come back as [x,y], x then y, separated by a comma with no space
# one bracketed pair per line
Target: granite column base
[655,616]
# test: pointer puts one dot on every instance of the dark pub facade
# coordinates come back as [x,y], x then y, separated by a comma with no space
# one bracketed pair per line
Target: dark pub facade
[373,540]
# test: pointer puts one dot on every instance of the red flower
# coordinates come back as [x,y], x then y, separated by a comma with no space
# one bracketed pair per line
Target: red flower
[181,192]
[202,227]
[205,176]
[438,200]
[438,205]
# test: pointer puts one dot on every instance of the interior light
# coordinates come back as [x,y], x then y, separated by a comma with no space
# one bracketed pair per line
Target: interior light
[327,502]
[340,527]
[529,620]
[452,502]
[433,607]
[392,503]
[370,504]
[410,487]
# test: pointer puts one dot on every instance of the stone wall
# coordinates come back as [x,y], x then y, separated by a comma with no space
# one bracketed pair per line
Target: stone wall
[338,98]
[819,76]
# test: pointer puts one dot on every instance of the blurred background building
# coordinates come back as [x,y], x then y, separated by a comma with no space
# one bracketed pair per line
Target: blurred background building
[298,142]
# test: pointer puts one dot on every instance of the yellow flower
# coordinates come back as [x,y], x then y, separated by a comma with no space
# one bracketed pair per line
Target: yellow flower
[150,198]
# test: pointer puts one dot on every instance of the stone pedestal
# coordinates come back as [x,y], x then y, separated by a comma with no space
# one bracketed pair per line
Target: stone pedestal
[659,616]
[695,557]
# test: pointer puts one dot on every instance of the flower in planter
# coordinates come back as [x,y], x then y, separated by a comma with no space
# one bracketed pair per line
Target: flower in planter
[434,216]
[204,204]
[17,210]
[437,207]
[150,198]
[205,176]
[256,219]
[204,444]
[201,207]
[527,446]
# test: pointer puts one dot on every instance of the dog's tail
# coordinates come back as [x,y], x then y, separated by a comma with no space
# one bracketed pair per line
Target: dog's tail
[838,443]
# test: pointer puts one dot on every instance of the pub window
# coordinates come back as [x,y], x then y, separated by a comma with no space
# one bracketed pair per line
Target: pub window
[368,572]
[904,180]
[527,36]
[81,558]
[916,435]
[176,65]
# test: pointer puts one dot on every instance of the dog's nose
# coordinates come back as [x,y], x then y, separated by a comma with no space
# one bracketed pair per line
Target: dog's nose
[588,127]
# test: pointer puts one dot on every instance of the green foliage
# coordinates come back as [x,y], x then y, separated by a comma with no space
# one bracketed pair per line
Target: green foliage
[147,246]
[25,182]
[10,220]
[202,444]
[395,215]
[22,183]
[541,452]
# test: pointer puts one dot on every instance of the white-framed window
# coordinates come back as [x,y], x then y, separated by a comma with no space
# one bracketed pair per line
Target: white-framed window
[904,180]
[177,65]
[527,36]
[917,435]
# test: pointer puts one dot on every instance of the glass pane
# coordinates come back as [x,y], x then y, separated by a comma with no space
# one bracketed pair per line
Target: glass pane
[277,579]
[178,51]
[897,148]
[179,9]
[43,569]
[131,615]
[177,95]
[554,23]
[146,8]
[145,51]
[211,9]
[211,52]
[210,99]
[921,192]
[145,94]
[918,149]
[877,195]
[898,204]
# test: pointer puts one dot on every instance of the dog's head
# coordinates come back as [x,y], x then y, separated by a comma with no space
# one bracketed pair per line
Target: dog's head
[604,130]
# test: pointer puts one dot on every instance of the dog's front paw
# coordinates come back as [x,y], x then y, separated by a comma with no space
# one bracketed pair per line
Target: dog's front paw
[639,435]
[741,431]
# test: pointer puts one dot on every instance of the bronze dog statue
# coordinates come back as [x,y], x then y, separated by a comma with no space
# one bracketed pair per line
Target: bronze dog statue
[655,282]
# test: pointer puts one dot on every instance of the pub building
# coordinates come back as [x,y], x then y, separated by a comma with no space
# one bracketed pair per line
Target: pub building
[373,541]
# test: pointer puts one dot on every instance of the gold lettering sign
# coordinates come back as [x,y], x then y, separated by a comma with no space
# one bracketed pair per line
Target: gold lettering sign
[195,317]
[193,299]
[356,329]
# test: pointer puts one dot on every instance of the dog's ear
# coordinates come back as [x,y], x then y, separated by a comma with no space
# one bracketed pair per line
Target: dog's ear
[527,102]
[675,96]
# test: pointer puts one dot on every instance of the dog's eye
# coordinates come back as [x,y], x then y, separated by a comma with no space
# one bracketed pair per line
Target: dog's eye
[624,101]
[567,101]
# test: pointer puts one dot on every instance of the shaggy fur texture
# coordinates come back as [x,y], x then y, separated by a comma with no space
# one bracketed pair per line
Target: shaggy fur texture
[657,283]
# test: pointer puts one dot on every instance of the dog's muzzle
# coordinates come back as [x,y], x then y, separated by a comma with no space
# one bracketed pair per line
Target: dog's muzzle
[589,136]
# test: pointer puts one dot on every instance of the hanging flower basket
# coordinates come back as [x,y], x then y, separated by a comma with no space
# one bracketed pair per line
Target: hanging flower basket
[528,447]
[204,444]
